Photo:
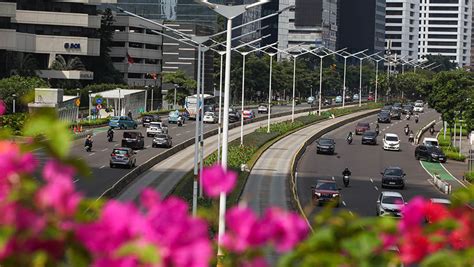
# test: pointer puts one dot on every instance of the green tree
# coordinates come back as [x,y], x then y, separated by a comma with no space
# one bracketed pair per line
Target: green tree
[74,63]
[443,62]
[24,64]
[184,85]
[23,87]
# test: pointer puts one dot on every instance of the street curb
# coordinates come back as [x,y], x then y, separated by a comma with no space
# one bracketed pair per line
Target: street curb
[422,131]
[128,178]
[292,181]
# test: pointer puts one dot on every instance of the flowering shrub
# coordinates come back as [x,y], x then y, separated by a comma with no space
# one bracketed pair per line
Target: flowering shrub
[48,223]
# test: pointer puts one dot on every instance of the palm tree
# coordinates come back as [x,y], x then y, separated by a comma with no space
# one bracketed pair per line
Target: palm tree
[74,63]
[24,64]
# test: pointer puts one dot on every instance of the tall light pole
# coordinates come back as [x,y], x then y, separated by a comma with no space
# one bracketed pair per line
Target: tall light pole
[90,105]
[228,12]
[14,103]
[376,74]
[360,74]
[221,53]
[321,57]
[346,55]
[270,91]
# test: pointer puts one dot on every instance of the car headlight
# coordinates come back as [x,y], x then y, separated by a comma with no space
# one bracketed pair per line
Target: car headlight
[335,195]
[434,155]
[317,194]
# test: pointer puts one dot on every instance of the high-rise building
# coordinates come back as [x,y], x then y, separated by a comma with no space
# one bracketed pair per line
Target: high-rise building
[472,36]
[46,29]
[330,23]
[445,29]
[401,27]
[305,20]
[361,25]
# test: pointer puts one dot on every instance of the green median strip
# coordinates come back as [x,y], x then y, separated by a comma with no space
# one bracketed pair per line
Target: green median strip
[435,168]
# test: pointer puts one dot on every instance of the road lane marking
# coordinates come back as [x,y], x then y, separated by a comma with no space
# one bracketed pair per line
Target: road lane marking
[91,154]
[104,149]
[178,134]
[116,145]
[371,180]
[75,181]
[148,146]
[101,167]
[376,188]
[350,212]
[344,203]
[188,131]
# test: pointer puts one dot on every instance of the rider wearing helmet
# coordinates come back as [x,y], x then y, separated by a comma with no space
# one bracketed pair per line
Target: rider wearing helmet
[346,172]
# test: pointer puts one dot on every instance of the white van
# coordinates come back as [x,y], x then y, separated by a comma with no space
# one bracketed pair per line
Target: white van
[429,141]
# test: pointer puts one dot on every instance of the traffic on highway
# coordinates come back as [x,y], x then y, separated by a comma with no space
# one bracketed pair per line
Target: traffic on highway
[380,165]
[111,160]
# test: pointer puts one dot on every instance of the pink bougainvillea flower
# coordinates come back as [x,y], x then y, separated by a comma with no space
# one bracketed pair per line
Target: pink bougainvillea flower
[463,235]
[287,229]
[12,161]
[58,193]
[388,240]
[414,246]
[2,107]
[413,213]
[216,180]
[244,230]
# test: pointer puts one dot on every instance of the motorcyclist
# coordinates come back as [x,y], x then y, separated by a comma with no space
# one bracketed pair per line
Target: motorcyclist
[432,129]
[349,136]
[88,143]
[417,117]
[407,129]
[346,172]
[180,120]
[110,134]
[407,117]
[377,128]
[411,137]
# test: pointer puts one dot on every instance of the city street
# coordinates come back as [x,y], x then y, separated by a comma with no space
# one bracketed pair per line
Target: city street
[365,162]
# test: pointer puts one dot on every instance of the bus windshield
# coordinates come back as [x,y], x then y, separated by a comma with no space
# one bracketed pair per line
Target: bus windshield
[192,106]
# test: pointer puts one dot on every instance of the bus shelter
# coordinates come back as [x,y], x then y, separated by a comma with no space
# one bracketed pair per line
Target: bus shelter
[122,101]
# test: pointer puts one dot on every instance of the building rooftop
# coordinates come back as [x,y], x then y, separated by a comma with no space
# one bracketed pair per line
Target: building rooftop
[117,93]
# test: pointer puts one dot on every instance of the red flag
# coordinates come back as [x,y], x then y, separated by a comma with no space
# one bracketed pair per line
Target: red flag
[130,59]
[153,75]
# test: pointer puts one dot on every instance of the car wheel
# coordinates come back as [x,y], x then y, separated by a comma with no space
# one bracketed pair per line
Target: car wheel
[135,126]
[417,157]
[430,159]
[403,187]
[121,127]
[134,163]
[111,165]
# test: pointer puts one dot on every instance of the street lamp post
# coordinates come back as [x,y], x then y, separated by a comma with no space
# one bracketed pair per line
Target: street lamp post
[346,55]
[221,53]
[228,12]
[360,75]
[14,103]
[174,99]
[90,105]
[270,91]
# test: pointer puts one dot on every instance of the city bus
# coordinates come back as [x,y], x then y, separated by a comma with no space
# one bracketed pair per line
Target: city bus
[190,104]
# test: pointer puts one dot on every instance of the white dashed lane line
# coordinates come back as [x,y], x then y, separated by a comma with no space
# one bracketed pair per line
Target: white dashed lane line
[178,134]
[376,188]
[344,203]
[116,145]
[91,154]
[371,180]
[101,167]
[148,146]
[75,181]
[104,149]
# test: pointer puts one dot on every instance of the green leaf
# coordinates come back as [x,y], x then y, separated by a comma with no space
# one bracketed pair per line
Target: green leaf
[147,254]
[442,258]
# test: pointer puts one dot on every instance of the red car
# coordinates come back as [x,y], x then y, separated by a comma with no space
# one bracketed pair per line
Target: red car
[361,127]
[248,114]
[325,191]
[370,98]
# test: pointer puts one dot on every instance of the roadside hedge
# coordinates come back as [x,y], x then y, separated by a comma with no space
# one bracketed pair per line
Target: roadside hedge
[13,122]
[96,122]
[469,176]
[450,151]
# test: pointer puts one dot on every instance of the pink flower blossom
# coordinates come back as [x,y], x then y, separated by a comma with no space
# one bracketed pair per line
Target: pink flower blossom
[13,161]
[2,107]
[414,213]
[216,180]
[59,191]
[414,246]
[287,229]
[388,240]
[245,230]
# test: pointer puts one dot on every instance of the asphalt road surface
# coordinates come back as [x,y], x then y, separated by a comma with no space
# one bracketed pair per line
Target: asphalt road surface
[365,162]
[103,176]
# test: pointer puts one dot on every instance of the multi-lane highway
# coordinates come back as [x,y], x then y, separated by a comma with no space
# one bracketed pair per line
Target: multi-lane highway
[103,177]
[365,162]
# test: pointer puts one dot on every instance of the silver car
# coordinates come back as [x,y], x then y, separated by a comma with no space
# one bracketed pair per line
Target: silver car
[123,156]
[162,140]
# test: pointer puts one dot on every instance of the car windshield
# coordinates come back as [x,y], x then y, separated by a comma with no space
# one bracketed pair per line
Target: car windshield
[209,113]
[431,143]
[391,138]
[392,200]
[326,186]
[173,113]
[363,124]
[161,136]
[120,152]
[397,105]
[384,113]
[326,142]
[155,124]
[393,172]
[370,134]
[130,135]
[418,104]
[115,118]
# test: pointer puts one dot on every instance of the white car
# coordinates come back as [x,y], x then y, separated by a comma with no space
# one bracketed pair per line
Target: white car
[262,109]
[418,108]
[390,203]
[391,142]
[310,100]
[156,128]
[429,141]
[210,117]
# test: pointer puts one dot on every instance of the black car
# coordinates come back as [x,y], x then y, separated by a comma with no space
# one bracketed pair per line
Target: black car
[133,139]
[384,116]
[430,153]
[407,109]
[387,108]
[162,140]
[393,177]
[325,145]
[397,106]
[369,137]
[146,119]
[396,114]
[234,115]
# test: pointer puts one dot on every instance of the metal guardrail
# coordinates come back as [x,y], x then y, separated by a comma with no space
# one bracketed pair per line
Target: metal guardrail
[422,131]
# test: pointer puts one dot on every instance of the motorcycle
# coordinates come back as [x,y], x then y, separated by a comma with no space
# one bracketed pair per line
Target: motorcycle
[431,130]
[411,138]
[416,119]
[407,117]
[349,140]
[345,180]
[110,136]
[407,130]
[180,121]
